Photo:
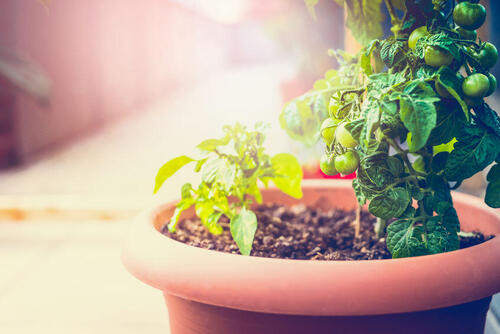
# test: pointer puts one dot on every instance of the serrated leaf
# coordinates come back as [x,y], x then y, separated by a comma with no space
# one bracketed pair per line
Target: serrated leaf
[449,122]
[358,190]
[392,52]
[243,227]
[364,19]
[442,232]
[488,117]
[439,161]
[418,112]
[405,240]
[390,204]
[447,79]
[169,169]
[219,171]
[493,195]
[475,149]
[493,190]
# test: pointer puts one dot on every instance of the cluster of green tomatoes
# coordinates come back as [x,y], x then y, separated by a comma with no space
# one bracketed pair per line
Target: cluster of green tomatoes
[476,85]
[343,159]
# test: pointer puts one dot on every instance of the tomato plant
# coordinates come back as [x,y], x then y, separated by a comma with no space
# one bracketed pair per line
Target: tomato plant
[410,117]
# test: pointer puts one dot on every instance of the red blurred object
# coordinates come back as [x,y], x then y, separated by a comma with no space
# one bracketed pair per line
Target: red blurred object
[312,171]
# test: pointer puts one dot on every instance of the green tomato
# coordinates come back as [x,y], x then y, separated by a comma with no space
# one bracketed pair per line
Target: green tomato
[328,130]
[476,85]
[327,165]
[487,55]
[347,163]
[469,15]
[344,137]
[436,57]
[470,35]
[416,35]
[493,84]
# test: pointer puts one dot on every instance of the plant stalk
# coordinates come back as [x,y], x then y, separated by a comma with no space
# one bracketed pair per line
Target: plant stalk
[380,227]
[357,222]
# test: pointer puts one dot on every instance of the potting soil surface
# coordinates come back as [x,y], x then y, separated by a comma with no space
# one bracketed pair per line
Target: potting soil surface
[300,232]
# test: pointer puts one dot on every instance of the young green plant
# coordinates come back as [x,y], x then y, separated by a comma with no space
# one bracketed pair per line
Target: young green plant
[231,168]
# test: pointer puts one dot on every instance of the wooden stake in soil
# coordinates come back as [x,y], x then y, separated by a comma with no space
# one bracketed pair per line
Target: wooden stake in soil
[357,223]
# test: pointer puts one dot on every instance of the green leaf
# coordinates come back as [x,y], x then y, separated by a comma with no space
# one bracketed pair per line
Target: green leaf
[378,170]
[243,227]
[405,240]
[364,19]
[475,149]
[449,122]
[418,113]
[355,128]
[438,162]
[439,238]
[180,207]
[299,122]
[219,171]
[392,52]
[212,144]
[440,187]
[212,223]
[358,190]
[390,204]
[450,82]
[493,190]
[493,195]
[288,174]
[488,117]
[301,118]
[494,174]
[365,59]
[169,169]
[441,40]
[186,190]
[395,166]
[204,209]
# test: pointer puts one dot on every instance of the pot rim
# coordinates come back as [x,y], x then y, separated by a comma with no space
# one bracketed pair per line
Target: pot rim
[316,288]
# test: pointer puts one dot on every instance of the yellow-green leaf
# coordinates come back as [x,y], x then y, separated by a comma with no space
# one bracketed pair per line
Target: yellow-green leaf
[288,174]
[169,169]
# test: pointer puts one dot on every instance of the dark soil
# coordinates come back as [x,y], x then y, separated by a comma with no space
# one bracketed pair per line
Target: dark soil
[300,233]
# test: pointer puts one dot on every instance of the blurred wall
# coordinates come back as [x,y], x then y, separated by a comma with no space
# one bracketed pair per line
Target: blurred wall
[104,58]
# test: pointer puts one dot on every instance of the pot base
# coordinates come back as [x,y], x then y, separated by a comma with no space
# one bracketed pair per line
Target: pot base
[189,317]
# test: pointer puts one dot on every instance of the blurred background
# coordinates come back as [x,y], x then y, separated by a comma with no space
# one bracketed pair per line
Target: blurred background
[95,96]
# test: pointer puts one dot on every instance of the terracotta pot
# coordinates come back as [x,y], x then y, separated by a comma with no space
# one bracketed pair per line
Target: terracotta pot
[217,293]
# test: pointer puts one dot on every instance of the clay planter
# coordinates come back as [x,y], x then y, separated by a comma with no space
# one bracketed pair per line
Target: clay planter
[209,292]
